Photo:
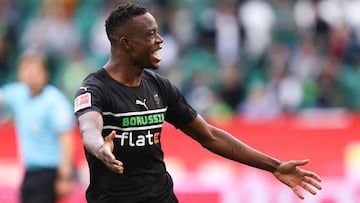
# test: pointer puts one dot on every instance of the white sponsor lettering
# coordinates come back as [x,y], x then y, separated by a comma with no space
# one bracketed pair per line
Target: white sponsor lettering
[127,138]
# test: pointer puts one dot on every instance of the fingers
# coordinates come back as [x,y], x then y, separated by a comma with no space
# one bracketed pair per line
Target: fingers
[106,155]
[111,136]
[306,185]
[313,183]
[297,192]
[311,175]
[116,166]
[308,188]
[291,174]
[301,162]
[112,163]
[311,178]
[315,176]
[110,139]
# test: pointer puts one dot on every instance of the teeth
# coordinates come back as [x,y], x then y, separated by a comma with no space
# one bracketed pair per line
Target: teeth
[157,53]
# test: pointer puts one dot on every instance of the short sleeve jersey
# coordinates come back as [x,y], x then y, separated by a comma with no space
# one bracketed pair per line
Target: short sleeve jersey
[137,115]
[39,122]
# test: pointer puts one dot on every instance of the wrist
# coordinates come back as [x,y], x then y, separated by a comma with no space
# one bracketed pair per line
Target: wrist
[98,150]
[274,166]
[64,177]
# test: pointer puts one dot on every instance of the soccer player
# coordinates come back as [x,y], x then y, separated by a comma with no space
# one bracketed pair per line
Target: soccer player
[44,123]
[120,111]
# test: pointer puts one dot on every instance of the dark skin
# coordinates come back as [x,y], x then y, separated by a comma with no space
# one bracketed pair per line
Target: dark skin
[135,50]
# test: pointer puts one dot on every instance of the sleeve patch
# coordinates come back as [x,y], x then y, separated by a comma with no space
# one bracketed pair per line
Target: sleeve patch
[82,101]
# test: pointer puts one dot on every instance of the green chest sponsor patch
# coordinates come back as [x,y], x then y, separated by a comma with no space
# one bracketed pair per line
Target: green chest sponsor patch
[143,120]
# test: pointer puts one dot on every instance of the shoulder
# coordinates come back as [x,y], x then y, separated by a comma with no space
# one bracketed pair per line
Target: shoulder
[53,91]
[96,78]
[94,83]
[169,90]
[15,89]
[152,74]
[15,86]
[155,77]
[55,95]
[14,94]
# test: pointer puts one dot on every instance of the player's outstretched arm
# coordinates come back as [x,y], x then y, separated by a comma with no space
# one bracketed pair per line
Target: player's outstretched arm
[90,125]
[224,144]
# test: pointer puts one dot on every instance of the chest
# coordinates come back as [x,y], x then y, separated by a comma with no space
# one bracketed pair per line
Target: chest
[33,115]
[146,97]
[33,109]
[136,114]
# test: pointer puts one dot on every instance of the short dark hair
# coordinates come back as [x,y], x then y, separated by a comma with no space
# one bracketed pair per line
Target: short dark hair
[121,15]
[30,54]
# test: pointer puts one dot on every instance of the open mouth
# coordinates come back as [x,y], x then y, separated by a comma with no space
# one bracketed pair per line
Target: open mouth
[156,55]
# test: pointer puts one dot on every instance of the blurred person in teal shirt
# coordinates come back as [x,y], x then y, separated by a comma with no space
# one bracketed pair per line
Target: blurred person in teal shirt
[44,123]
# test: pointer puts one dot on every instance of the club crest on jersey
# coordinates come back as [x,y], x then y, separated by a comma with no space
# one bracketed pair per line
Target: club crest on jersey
[82,101]
[157,98]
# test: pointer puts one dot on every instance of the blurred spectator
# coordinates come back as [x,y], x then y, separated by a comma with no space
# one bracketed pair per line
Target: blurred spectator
[9,33]
[258,18]
[51,32]
[305,61]
[181,26]
[231,89]
[304,13]
[305,66]
[44,124]
[284,31]
[99,45]
[227,27]
[337,41]
[331,92]
[202,98]
[350,78]
[200,59]
[74,69]
[284,87]
[290,94]
[322,25]
[259,104]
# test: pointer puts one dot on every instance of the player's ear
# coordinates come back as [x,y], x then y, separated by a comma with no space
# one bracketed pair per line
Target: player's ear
[125,43]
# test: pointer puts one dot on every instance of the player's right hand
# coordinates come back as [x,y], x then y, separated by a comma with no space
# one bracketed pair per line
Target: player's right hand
[104,153]
[292,175]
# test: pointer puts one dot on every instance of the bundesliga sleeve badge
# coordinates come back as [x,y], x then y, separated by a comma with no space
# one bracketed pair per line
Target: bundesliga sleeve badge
[82,101]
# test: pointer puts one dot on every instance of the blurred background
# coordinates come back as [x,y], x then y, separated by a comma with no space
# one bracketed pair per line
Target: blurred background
[284,76]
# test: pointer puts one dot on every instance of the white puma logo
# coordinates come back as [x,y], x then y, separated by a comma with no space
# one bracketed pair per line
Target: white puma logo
[83,88]
[142,103]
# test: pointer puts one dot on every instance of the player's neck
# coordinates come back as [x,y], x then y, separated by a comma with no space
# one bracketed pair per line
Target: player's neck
[126,75]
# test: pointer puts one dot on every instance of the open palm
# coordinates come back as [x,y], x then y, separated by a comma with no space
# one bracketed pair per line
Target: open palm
[293,176]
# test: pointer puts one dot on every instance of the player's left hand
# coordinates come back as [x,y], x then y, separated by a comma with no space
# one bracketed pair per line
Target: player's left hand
[293,176]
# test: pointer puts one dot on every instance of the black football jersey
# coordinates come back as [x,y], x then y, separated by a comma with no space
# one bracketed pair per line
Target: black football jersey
[137,115]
